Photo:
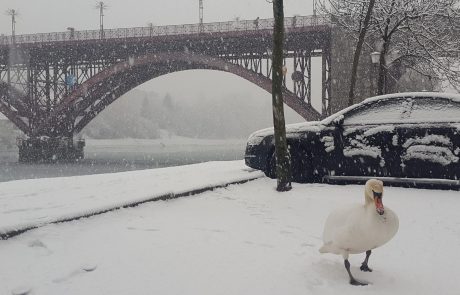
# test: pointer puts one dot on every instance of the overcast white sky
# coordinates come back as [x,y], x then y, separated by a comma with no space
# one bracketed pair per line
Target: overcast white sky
[56,15]
[41,16]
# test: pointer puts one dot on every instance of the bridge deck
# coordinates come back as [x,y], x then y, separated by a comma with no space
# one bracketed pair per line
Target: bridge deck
[305,22]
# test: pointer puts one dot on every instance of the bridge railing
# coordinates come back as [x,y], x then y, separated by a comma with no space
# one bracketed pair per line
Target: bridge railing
[188,29]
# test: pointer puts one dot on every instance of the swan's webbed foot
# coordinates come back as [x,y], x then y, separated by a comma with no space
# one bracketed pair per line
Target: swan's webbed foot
[364,266]
[353,281]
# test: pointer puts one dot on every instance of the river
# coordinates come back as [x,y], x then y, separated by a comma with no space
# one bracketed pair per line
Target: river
[110,156]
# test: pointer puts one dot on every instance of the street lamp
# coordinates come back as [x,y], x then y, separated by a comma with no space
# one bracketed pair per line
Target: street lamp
[375,57]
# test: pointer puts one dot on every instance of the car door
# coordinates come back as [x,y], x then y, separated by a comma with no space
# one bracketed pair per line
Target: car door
[430,139]
[369,141]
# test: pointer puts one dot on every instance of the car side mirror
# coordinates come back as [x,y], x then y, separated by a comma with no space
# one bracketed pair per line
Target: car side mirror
[338,121]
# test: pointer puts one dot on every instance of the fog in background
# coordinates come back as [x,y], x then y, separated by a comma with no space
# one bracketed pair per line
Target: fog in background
[203,104]
[182,110]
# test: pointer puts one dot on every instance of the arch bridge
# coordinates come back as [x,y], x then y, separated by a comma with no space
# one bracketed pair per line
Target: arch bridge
[52,85]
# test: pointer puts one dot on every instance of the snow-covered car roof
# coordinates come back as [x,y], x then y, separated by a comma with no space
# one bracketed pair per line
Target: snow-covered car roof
[451,96]
[339,114]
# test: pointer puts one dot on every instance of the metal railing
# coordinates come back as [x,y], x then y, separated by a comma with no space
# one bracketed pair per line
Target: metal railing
[150,31]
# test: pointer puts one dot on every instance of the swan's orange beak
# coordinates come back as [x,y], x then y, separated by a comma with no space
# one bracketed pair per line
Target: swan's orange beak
[379,205]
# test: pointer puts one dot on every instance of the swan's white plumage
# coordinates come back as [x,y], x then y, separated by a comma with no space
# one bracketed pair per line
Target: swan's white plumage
[359,228]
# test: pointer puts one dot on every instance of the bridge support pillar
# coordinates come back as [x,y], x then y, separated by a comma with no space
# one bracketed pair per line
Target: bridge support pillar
[46,149]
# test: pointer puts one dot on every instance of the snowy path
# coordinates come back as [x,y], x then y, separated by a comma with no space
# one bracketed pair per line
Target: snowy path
[243,239]
[32,203]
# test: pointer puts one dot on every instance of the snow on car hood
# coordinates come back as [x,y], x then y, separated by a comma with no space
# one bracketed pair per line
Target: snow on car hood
[311,126]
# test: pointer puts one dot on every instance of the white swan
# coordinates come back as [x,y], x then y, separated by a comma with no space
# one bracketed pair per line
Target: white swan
[360,228]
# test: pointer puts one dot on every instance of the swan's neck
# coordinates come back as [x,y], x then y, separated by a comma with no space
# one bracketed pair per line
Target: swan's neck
[368,201]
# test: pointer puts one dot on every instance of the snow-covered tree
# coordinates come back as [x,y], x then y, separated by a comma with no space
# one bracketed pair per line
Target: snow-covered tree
[421,35]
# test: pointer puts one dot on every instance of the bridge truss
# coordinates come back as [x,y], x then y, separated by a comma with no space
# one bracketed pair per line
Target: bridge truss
[52,85]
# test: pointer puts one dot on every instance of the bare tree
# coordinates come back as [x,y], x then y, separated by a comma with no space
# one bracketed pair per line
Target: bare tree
[421,35]
[283,164]
[354,17]
[363,26]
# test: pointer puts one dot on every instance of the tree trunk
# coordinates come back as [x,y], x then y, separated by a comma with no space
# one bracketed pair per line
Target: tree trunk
[359,46]
[282,157]
[382,70]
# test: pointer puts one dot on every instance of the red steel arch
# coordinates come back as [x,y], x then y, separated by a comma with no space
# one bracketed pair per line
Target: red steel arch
[92,96]
[12,106]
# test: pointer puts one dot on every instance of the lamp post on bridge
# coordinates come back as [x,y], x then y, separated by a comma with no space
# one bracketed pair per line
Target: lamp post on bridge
[13,13]
[101,6]
[150,29]
[315,19]
[201,27]
[71,32]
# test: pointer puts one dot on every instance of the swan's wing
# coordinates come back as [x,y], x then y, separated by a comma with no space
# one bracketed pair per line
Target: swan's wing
[338,224]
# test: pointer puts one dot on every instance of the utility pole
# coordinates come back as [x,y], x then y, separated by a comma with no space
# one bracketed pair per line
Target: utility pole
[13,13]
[201,28]
[101,6]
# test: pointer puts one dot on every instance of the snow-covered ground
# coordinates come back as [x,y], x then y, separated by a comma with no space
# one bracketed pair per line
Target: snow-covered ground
[32,203]
[243,239]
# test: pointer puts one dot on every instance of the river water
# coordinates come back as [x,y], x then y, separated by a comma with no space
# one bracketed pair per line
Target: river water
[109,156]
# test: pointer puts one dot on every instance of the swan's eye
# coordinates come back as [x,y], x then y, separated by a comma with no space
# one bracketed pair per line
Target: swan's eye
[377,195]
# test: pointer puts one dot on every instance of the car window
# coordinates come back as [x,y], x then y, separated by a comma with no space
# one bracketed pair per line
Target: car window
[382,111]
[434,109]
